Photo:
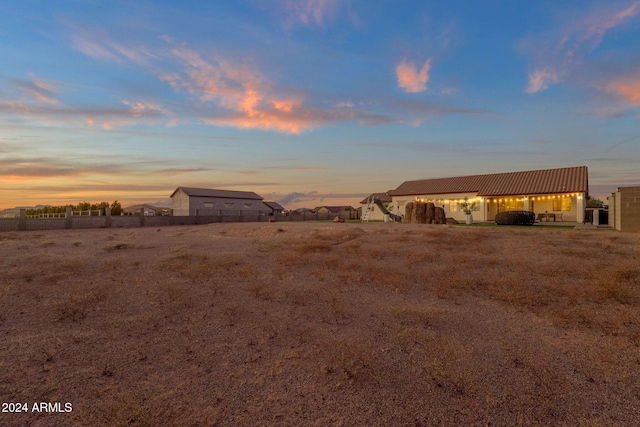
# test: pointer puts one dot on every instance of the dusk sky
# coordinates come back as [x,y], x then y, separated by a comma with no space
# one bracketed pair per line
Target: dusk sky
[310,102]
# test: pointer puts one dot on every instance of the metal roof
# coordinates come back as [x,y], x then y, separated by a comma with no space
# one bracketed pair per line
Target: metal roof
[224,194]
[383,197]
[134,208]
[547,181]
[275,206]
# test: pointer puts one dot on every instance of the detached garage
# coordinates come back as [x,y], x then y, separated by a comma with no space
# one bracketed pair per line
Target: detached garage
[188,201]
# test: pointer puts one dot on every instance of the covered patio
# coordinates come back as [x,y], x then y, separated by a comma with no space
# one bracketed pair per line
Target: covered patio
[554,195]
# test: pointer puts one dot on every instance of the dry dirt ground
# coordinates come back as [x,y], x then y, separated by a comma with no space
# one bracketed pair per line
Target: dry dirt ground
[320,324]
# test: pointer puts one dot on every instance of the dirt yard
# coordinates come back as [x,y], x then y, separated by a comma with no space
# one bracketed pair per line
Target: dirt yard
[320,324]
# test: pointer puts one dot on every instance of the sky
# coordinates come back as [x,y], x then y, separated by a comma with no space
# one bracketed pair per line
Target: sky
[310,102]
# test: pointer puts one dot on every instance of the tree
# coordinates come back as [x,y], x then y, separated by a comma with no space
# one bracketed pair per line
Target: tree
[468,207]
[84,206]
[592,202]
[116,208]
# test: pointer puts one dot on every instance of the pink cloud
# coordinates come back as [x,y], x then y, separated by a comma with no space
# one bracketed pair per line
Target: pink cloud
[244,92]
[267,120]
[226,92]
[285,106]
[541,80]
[410,79]
[629,89]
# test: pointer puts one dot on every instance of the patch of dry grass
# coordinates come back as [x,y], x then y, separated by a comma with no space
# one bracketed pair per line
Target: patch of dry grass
[76,307]
[322,324]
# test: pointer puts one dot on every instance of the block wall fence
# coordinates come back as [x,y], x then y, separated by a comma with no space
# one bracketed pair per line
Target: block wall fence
[624,209]
[71,222]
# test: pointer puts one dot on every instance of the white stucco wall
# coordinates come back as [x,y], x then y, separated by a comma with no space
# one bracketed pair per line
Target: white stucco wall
[448,201]
[488,208]
[376,213]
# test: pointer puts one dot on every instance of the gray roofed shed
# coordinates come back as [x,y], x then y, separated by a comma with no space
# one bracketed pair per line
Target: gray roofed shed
[205,192]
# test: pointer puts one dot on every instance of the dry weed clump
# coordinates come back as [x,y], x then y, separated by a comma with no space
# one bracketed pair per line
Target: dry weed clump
[77,306]
[346,362]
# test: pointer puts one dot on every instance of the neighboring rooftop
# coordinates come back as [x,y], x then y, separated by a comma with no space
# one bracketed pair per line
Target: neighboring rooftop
[229,194]
[334,209]
[547,181]
[274,205]
[383,197]
[134,208]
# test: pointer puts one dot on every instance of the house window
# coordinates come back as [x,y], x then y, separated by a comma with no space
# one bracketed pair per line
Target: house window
[453,206]
[515,204]
[208,205]
[228,205]
[563,204]
[248,205]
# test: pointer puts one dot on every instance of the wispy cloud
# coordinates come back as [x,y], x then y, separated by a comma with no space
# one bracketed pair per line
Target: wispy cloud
[246,98]
[308,169]
[561,53]
[542,79]
[26,168]
[35,90]
[309,12]
[99,45]
[410,79]
[222,90]
[61,115]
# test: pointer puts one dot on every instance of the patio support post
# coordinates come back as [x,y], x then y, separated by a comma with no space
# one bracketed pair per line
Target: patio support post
[580,207]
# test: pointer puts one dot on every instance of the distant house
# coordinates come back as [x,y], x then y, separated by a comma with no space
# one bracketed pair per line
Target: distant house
[149,210]
[188,201]
[10,213]
[375,214]
[276,208]
[558,194]
[343,211]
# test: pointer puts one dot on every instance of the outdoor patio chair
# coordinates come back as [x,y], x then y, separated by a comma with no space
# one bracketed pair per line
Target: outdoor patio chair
[559,217]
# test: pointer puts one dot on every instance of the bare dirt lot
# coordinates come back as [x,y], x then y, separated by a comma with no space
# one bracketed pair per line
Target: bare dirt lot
[320,324]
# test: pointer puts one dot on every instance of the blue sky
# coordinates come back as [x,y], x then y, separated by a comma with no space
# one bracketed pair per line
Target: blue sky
[310,102]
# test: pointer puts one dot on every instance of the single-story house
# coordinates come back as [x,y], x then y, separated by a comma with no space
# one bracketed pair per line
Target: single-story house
[303,210]
[188,201]
[149,210]
[375,214]
[553,194]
